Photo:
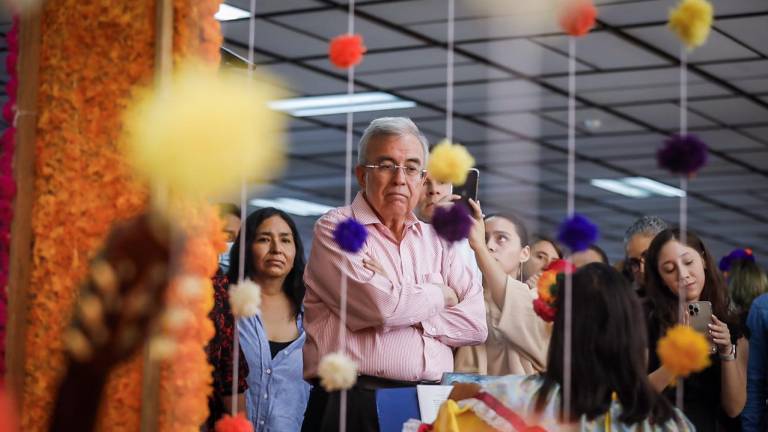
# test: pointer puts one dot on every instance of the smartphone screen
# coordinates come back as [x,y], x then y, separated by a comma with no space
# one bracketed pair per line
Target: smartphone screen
[469,188]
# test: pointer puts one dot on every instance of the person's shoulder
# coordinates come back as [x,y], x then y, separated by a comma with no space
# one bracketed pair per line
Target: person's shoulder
[761,302]
[335,215]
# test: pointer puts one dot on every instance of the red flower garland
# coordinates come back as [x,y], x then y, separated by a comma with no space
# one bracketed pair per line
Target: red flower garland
[7,183]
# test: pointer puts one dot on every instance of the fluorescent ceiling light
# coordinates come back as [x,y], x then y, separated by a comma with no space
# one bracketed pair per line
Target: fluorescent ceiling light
[293,206]
[340,104]
[654,187]
[229,13]
[617,186]
[637,187]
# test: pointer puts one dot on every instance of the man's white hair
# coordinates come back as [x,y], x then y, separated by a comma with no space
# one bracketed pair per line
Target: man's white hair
[390,126]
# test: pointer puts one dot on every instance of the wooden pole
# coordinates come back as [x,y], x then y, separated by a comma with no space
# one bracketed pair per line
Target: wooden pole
[20,263]
[150,401]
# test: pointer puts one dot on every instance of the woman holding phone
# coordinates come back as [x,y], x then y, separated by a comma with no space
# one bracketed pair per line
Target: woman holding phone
[716,395]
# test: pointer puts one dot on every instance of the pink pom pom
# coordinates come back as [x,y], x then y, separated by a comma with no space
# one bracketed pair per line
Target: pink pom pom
[12,87]
[578,17]
[237,423]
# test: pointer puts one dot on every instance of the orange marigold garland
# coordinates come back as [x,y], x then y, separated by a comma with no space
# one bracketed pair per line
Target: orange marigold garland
[185,378]
[81,183]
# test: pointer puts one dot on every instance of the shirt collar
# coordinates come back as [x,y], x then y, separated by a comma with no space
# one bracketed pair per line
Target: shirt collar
[364,214]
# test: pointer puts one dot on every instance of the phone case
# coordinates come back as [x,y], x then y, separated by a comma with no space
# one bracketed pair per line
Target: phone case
[700,316]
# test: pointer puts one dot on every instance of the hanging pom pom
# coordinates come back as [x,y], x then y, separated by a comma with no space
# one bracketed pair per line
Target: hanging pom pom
[337,372]
[245,299]
[450,163]
[237,423]
[9,111]
[682,154]
[453,223]
[11,60]
[547,288]
[736,255]
[691,21]
[346,50]
[350,235]
[683,351]
[578,233]
[205,132]
[577,17]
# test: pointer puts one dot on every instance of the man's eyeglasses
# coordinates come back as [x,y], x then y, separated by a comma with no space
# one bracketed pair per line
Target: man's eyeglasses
[635,264]
[388,168]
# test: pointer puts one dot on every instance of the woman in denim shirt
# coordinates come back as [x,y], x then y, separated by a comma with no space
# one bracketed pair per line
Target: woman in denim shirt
[272,341]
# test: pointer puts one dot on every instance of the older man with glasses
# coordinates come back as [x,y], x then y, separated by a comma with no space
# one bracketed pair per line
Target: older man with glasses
[637,239]
[410,298]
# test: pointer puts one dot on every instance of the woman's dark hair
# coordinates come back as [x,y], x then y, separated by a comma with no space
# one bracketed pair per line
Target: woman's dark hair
[519,224]
[294,282]
[608,350]
[598,250]
[554,244]
[665,302]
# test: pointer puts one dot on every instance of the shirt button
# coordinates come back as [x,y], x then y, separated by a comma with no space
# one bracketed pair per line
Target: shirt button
[269,371]
[261,421]
[266,396]
[434,330]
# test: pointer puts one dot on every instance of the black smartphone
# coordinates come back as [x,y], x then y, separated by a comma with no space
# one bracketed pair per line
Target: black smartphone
[469,188]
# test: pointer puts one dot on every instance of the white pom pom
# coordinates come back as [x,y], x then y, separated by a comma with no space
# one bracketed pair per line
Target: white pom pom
[245,299]
[337,372]
[190,287]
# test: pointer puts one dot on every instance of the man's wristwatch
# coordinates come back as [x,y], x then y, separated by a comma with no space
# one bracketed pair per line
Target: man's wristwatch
[731,355]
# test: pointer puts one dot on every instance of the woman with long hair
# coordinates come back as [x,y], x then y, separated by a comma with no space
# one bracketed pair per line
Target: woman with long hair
[610,390]
[716,395]
[272,341]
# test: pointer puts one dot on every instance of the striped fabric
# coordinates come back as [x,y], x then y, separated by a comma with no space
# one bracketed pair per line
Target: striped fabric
[398,325]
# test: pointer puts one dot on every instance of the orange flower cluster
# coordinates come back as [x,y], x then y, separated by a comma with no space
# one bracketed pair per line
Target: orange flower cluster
[93,53]
[185,379]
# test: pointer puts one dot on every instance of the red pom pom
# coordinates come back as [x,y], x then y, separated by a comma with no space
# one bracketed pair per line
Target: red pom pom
[346,50]
[237,423]
[544,310]
[578,17]
[561,265]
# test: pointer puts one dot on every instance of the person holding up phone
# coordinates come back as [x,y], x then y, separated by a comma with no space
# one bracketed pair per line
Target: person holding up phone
[716,395]
[517,338]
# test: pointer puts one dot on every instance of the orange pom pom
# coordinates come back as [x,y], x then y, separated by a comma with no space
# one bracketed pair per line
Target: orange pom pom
[578,17]
[237,423]
[346,50]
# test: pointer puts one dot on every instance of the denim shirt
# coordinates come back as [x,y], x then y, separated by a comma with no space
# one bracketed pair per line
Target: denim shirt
[277,393]
[753,418]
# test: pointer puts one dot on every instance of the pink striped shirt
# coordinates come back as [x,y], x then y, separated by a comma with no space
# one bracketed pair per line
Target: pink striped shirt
[398,327]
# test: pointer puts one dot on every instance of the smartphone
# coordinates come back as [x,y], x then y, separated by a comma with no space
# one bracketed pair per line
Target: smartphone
[700,316]
[469,188]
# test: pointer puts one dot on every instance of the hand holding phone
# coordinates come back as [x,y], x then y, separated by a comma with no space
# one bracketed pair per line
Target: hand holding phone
[469,188]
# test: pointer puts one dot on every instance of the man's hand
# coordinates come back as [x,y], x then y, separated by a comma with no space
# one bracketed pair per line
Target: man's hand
[449,295]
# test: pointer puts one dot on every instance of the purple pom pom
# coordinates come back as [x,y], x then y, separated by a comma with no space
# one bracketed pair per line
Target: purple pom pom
[682,154]
[737,254]
[578,233]
[453,223]
[350,235]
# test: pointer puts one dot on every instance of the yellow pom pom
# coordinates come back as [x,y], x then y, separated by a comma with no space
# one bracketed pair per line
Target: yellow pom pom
[337,372]
[205,132]
[691,21]
[683,351]
[449,163]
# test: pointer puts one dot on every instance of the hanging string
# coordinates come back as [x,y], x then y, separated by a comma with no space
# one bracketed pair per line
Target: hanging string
[683,217]
[243,225]
[449,73]
[568,315]
[347,201]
